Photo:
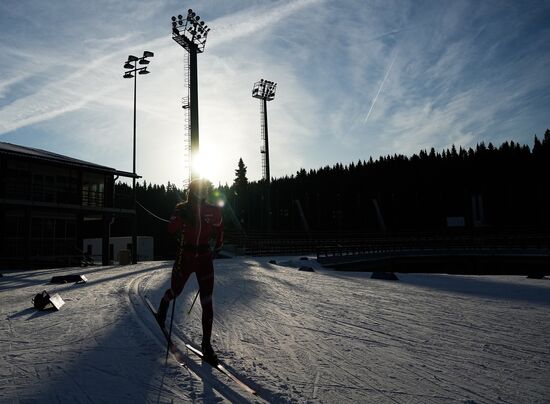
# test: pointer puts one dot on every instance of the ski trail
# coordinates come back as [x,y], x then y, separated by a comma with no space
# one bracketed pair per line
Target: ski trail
[300,337]
[135,292]
[315,385]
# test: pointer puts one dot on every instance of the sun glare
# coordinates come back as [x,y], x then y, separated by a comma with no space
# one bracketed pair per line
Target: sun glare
[205,166]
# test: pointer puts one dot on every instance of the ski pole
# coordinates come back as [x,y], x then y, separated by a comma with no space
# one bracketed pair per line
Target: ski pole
[194,300]
[170,332]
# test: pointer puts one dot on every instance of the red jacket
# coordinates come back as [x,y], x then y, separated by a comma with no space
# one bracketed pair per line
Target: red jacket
[197,232]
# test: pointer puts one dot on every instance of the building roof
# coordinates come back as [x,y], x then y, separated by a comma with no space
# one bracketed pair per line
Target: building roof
[39,154]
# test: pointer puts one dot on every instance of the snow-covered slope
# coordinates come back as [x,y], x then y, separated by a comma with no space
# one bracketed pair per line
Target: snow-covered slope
[296,336]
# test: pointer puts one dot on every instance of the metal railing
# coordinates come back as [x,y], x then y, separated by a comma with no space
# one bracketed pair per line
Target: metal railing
[355,244]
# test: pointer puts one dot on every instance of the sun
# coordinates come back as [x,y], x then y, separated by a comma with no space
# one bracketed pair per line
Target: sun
[205,166]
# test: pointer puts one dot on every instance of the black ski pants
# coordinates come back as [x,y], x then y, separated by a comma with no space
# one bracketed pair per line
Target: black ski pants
[204,271]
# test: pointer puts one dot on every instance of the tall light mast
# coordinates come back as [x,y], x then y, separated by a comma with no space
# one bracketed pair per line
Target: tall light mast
[264,90]
[190,33]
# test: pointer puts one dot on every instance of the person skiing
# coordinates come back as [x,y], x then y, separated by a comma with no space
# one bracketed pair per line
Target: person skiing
[197,221]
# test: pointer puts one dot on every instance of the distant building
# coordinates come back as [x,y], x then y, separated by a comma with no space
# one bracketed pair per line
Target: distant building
[93,247]
[49,203]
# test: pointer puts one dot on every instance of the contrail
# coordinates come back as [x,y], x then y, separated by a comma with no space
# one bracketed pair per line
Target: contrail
[58,97]
[380,88]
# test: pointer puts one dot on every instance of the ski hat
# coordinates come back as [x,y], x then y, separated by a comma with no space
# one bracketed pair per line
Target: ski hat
[199,188]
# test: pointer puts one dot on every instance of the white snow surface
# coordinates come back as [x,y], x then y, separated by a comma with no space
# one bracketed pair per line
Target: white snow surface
[295,336]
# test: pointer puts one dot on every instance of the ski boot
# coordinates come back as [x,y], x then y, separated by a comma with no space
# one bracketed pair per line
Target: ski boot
[161,312]
[208,353]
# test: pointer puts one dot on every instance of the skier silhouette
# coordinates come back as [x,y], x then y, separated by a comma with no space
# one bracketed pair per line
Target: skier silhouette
[197,221]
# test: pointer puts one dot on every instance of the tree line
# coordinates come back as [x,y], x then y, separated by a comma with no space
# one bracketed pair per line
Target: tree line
[488,186]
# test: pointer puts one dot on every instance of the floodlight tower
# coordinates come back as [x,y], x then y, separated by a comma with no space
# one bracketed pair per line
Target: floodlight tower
[265,91]
[133,68]
[191,35]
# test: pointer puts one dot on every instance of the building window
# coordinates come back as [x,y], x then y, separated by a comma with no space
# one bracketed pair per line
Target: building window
[93,187]
[53,236]
[14,243]
[17,180]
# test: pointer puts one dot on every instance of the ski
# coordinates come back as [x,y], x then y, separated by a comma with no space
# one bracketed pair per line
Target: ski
[178,355]
[219,366]
[181,359]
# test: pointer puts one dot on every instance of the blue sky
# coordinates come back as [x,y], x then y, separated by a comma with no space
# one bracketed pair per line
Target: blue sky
[356,78]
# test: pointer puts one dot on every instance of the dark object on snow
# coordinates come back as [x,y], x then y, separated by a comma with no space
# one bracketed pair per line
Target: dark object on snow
[69,279]
[273,262]
[304,258]
[387,276]
[42,300]
[221,255]
[306,269]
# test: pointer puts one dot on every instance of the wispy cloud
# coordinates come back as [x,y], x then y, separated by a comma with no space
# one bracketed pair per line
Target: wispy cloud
[466,72]
[255,20]
[85,81]
[380,88]
[66,94]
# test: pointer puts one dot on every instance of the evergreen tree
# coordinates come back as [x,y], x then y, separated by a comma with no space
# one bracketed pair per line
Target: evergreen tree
[240,176]
[413,193]
[240,192]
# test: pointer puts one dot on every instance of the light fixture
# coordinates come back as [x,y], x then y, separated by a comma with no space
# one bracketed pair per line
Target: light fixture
[173,18]
[144,71]
[148,54]
[264,89]
[128,75]
[132,58]
[143,62]
[128,65]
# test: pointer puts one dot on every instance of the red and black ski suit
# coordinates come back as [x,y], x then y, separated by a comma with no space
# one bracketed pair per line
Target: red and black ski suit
[197,221]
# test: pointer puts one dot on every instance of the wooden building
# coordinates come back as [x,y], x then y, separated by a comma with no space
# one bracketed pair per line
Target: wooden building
[50,202]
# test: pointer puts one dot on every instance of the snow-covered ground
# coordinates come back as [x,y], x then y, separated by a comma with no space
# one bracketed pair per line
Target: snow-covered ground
[295,336]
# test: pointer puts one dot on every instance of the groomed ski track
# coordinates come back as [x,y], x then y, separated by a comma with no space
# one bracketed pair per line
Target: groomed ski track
[219,383]
[323,336]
